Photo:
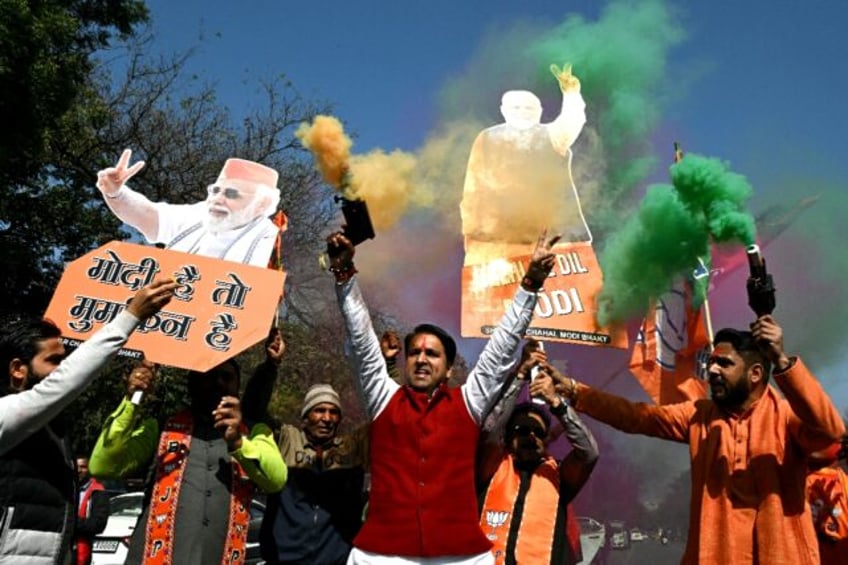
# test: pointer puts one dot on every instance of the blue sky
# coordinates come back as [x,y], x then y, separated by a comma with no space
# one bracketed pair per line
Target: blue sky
[759,84]
[382,63]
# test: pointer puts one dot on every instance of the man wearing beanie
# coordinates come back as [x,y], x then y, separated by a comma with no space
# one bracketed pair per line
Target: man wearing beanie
[315,518]
[423,434]
[231,223]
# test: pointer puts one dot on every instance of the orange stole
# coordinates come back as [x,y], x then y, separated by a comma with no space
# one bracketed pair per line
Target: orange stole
[538,522]
[174,444]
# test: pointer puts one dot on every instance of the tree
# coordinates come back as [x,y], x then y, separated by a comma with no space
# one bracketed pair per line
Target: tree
[174,122]
[45,60]
[46,52]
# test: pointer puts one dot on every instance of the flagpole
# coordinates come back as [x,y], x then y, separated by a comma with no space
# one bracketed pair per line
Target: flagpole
[708,319]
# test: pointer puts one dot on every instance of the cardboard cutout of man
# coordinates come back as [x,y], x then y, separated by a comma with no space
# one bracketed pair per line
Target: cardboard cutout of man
[519,176]
[232,223]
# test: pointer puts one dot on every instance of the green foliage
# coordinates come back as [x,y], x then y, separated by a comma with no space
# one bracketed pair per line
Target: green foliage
[45,95]
[45,49]
[51,212]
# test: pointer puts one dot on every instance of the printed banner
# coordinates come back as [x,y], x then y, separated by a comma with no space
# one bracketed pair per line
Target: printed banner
[221,309]
[566,308]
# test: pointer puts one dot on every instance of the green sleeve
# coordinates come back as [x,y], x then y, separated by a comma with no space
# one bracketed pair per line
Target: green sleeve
[260,458]
[125,444]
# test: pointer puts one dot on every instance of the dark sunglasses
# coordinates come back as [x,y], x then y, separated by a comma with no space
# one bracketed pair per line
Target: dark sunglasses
[526,430]
[229,193]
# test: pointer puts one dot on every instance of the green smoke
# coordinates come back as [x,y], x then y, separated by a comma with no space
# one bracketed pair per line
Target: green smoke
[620,59]
[621,62]
[671,230]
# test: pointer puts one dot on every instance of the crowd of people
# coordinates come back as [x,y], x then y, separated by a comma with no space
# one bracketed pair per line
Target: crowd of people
[458,474]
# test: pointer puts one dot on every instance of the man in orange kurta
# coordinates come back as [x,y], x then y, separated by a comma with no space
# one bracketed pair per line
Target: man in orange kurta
[827,493]
[748,448]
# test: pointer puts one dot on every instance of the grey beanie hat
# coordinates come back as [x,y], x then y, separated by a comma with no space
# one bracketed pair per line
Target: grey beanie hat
[318,394]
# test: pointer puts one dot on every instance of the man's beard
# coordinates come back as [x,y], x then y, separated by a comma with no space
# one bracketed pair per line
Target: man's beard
[233,220]
[734,396]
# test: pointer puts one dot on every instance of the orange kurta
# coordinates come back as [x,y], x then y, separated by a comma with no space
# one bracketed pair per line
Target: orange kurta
[748,500]
[827,493]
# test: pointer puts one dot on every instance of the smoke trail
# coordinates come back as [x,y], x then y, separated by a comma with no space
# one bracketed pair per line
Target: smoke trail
[383,180]
[326,138]
[621,60]
[670,231]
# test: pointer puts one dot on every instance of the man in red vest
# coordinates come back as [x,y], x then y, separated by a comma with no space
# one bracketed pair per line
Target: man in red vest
[423,505]
[92,510]
[525,492]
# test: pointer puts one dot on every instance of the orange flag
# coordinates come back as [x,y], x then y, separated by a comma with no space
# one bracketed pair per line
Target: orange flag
[669,358]
[276,260]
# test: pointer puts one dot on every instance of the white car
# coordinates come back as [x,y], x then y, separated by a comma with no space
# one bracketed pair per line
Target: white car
[637,535]
[110,547]
[592,538]
[619,536]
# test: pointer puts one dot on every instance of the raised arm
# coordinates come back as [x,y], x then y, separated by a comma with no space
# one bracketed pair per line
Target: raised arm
[668,421]
[390,347]
[580,461]
[372,378]
[25,412]
[487,377]
[260,387]
[495,420]
[256,451]
[128,440]
[129,206]
[567,126]
[819,423]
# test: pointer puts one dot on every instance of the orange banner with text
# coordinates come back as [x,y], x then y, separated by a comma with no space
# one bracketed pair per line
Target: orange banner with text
[566,308]
[220,309]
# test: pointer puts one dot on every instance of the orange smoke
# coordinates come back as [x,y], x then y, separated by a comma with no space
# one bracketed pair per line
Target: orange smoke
[326,139]
[385,182]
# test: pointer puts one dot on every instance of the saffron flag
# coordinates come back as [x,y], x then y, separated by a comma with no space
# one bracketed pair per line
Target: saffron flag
[671,350]
[275,261]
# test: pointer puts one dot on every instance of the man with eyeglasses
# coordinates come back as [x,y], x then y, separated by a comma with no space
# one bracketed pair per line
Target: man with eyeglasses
[232,223]
[525,492]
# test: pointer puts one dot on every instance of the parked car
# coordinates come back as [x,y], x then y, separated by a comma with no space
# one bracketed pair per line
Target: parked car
[637,535]
[618,535]
[592,538]
[110,547]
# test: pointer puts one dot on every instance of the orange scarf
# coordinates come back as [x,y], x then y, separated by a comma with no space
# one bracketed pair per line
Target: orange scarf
[173,450]
[827,493]
[538,522]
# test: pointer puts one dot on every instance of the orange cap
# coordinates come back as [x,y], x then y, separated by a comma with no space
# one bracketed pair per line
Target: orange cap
[241,169]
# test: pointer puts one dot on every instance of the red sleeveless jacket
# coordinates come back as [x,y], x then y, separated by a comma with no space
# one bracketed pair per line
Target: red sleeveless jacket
[423,501]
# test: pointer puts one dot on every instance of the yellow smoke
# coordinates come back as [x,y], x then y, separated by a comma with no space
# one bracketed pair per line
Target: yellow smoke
[330,145]
[391,183]
[384,181]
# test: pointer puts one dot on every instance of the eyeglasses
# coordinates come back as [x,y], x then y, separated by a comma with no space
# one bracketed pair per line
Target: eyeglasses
[526,430]
[229,193]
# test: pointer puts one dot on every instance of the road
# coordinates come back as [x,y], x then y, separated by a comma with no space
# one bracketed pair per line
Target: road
[640,552]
